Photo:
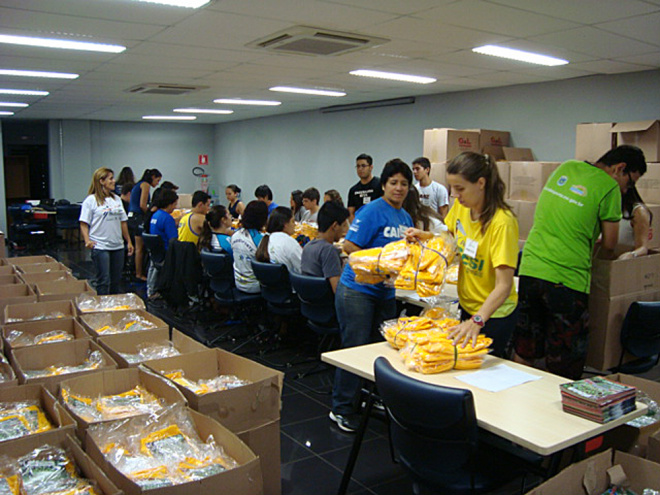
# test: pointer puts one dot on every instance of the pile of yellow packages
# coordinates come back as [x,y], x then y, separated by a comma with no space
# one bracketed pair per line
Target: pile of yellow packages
[413,265]
[22,339]
[47,470]
[425,346]
[202,387]
[92,362]
[19,419]
[132,322]
[161,450]
[133,402]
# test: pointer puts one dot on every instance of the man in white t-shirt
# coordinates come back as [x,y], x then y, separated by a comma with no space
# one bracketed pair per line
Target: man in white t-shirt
[431,194]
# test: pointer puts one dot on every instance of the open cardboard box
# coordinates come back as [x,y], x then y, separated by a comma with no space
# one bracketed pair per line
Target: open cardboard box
[590,477]
[127,343]
[34,328]
[8,375]
[57,415]
[35,278]
[648,185]
[620,277]
[7,270]
[644,134]
[117,382]
[29,260]
[593,140]
[43,268]
[443,144]
[239,409]
[16,294]
[65,290]
[10,279]
[94,321]
[264,441]
[38,311]
[71,353]
[246,479]
[653,451]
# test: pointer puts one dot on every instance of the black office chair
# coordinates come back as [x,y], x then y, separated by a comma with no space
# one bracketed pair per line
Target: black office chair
[67,219]
[276,288]
[434,433]
[24,231]
[155,247]
[640,336]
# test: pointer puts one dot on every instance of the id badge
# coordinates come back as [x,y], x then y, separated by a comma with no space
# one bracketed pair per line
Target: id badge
[471,248]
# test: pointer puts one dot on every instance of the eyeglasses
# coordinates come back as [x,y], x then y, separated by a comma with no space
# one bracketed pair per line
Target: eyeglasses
[362,165]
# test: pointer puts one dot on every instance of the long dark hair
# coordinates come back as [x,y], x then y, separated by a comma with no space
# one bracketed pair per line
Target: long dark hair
[629,201]
[149,175]
[472,166]
[126,176]
[419,212]
[212,221]
[278,218]
[297,197]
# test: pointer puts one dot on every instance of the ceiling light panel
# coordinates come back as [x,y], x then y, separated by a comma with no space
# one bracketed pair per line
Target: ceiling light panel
[189,4]
[203,110]
[238,101]
[13,104]
[36,73]
[520,55]
[393,76]
[307,91]
[61,44]
[23,92]
[169,117]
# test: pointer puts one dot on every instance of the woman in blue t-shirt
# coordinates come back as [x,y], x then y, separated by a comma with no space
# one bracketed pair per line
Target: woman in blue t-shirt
[362,308]
[137,208]
[216,232]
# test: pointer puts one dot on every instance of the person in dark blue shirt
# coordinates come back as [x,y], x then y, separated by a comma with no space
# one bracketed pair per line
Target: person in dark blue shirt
[162,222]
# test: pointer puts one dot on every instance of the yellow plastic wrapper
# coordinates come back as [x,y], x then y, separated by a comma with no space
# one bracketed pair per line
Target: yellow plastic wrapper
[435,353]
[201,387]
[10,480]
[426,267]
[19,419]
[177,376]
[400,331]
[93,361]
[375,265]
[21,339]
[103,324]
[452,274]
[119,302]
[133,402]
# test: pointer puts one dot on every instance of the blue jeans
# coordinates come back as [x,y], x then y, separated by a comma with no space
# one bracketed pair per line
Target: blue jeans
[360,316]
[109,265]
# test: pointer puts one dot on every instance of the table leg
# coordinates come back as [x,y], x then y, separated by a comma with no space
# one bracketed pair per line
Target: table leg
[357,442]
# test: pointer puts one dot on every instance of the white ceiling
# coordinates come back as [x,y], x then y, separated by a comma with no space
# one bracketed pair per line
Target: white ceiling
[207,47]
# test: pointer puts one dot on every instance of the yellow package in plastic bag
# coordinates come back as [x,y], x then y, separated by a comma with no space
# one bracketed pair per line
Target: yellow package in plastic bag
[378,264]
[178,377]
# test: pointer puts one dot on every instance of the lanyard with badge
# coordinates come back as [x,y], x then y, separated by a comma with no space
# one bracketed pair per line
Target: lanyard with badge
[471,245]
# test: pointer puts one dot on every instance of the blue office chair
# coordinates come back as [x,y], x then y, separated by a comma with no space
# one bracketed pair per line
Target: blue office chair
[220,269]
[67,218]
[640,337]
[156,248]
[435,437]
[276,288]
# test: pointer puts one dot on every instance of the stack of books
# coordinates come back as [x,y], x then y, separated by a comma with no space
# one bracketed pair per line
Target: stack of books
[598,399]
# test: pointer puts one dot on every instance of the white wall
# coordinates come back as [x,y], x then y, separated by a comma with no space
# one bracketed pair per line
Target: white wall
[3,199]
[296,151]
[78,147]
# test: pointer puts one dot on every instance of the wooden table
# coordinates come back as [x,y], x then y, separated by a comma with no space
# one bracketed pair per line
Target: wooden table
[529,415]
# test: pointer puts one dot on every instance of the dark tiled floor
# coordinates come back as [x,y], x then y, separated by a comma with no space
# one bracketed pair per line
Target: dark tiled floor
[314,450]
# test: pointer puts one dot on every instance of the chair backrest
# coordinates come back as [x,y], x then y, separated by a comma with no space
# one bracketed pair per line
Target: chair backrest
[640,332]
[156,247]
[220,268]
[317,301]
[274,281]
[433,428]
[67,213]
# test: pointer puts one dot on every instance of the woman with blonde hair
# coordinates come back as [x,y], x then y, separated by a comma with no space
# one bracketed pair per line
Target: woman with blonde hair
[103,225]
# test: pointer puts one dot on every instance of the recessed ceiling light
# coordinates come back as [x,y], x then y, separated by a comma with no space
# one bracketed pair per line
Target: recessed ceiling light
[12,104]
[307,91]
[393,76]
[203,110]
[510,53]
[6,113]
[238,101]
[64,44]
[36,73]
[190,4]
[169,117]
[23,92]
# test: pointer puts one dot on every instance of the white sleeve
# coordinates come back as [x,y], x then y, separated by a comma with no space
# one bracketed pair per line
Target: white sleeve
[442,194]
[292,254]
[86,211]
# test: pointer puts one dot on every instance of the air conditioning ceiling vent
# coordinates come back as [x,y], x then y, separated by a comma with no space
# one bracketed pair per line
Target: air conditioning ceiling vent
[163,89]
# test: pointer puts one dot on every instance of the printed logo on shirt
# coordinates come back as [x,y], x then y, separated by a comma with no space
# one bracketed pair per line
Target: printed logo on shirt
[394,232]
[579,190]
[355,226]
[473,264]
[562,180]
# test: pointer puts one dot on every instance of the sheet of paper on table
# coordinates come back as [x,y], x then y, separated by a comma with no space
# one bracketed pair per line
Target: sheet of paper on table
[497,378]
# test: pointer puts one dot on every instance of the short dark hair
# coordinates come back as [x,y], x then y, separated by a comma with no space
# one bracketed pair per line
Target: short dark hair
[278,218]
[200,197]
[255,215]
[263,191]
[364,156]
[312,194]
[331,212]
[126,188]
[169,185]
[166,198]
[423,161]
[632,156]
[393,167]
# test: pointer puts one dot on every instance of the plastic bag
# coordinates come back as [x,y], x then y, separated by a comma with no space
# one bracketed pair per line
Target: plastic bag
[375,265]
[151,350]
[201,387]
[21,339]
[133,402]
[102,323]
[120,302]
[10,479]
[433,352]
[398,332]
[47,316]
[19,419]
[93,361]
[652,415]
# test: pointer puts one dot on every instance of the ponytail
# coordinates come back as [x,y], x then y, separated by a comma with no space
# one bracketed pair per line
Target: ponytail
[262,251]
[211,221]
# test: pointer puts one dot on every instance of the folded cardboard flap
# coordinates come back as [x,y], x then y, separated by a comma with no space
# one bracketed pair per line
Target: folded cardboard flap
[35,328]
[38,311]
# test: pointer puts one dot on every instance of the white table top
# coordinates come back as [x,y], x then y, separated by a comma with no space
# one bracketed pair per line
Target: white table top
[529,414]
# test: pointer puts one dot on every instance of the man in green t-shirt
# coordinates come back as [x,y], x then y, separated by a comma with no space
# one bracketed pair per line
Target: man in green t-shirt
[578,203]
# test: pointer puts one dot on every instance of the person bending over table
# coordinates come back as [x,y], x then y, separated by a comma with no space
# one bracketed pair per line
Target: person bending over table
[486,233]
[361,308]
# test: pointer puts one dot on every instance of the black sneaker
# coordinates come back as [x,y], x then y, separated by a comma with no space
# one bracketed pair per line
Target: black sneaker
[346,422]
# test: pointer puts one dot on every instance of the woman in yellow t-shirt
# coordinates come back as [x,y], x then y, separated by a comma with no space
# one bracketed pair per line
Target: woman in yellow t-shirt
[486,232]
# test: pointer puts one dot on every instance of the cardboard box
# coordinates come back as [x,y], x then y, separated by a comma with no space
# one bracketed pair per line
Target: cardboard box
[504,169]
[527,179]
[16,294]
[127,343]
[7,270]
[592,472]
[489,137]
[70,353]
[443,144]
[439,173]
[264,441]
[28,260]
[129,302]
[42,268]
[93,321]
[618,277]
[65,290]
[524,211]
[643,133]
[10,279]
[34,328]
[38,311]
[87,468]
[59,418]
[246,479]
[185,201]
[648,185]
[654,242]
[117,382]
[593,140]
[653,450]
[239,409]
[8,376]
[518,154]
[35,278]
[606,316]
